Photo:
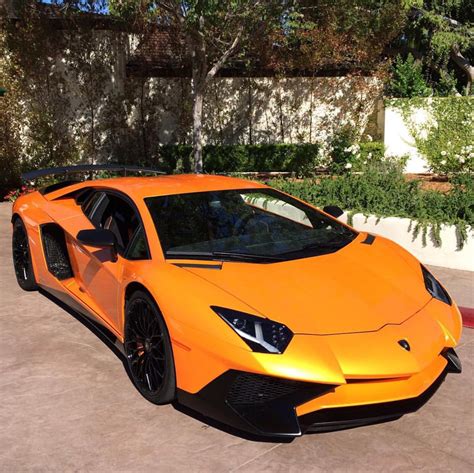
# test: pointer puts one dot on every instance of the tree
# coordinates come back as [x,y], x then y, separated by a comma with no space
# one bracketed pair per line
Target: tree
[213,32]
[440,34]
[407,79]
[341,36]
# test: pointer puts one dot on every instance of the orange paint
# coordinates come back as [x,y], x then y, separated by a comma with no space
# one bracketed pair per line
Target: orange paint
[347,310]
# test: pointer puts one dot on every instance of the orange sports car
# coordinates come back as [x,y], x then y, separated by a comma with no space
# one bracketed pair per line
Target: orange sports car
[240,302]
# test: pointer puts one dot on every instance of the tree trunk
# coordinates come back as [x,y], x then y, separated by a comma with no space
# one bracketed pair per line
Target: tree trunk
[143,122]
[465,65]
[197,128]
[250,110]
[201,77]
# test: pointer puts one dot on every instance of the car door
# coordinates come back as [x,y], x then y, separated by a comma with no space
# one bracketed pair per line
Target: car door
[99,272]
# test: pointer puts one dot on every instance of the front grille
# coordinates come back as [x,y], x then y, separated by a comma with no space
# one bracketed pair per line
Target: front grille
[254,389]
[250,388]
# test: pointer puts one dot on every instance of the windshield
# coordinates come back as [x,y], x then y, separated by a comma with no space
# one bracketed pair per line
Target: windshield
[261,225]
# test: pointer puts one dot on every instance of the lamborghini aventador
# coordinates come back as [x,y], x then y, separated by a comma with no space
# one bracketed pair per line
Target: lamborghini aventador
[245,304]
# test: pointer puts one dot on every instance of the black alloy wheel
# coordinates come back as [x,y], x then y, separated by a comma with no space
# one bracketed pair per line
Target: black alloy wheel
[148,350]
[22,257]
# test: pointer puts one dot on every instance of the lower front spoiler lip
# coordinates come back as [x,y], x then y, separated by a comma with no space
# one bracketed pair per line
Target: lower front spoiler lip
[327,420]
[277,418]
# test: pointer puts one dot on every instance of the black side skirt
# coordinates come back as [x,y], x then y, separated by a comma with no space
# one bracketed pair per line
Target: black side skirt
[88,319]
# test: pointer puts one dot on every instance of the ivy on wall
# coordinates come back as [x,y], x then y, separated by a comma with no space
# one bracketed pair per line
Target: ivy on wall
[446,137]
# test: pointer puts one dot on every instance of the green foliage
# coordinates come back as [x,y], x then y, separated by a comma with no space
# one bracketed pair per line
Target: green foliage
[296,158]
[446,85]
[343,150]
[447,140]
[437,31]
[347,154]
[407,79]
[382,190]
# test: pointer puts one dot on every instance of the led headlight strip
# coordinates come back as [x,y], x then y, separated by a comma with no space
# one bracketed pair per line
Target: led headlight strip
[260,334]
[434,287]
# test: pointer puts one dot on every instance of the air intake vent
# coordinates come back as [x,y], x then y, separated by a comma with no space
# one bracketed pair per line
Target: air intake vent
[253,389]
[55,251]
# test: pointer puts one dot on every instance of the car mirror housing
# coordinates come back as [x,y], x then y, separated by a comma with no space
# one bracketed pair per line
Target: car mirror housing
[99,238]
[333,210]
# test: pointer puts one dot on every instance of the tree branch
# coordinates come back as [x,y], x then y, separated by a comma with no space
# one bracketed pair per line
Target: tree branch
[222,60]
[464,64]
[172,10]
[461,61]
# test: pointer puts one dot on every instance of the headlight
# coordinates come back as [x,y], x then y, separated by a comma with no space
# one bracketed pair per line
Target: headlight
[261,335]
[434,287]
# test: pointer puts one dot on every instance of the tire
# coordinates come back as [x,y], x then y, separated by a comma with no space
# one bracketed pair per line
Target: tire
[22,257]
[148,350]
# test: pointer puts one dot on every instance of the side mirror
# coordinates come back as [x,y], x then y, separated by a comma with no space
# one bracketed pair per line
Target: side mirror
[333,210]
[99,238]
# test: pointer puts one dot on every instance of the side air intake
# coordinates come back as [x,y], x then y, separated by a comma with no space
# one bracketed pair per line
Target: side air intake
[55,251]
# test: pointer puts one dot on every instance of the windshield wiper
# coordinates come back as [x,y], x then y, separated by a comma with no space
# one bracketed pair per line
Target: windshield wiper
[323,247]
[320,245]
[220,255]
[249,256]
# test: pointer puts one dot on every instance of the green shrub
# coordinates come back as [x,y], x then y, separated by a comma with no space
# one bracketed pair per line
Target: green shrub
[347,154]
[407,79]
[343,150]
[447,140]
[371,152]
[300,159]
[382,190]
[449,145]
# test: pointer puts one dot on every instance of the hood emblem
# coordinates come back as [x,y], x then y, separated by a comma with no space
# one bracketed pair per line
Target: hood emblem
[404,344]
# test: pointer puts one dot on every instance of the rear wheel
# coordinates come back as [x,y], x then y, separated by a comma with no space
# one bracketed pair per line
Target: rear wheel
[22,257]
[148,349]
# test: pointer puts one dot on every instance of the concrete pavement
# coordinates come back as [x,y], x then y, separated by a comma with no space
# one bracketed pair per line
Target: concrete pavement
[68,405]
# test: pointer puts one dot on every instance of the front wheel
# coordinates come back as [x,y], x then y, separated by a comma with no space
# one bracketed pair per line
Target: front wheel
[148,350]
[22,257]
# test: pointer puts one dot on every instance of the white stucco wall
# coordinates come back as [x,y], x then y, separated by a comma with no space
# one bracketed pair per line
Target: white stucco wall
[399,141]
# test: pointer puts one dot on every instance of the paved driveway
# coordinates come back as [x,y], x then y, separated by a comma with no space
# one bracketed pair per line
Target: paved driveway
[66,404]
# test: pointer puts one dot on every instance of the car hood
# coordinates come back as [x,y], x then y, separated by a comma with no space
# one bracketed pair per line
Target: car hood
[360,288]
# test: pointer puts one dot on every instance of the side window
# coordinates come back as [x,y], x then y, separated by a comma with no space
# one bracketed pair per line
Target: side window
[113,213]
[90,205]
[138,248]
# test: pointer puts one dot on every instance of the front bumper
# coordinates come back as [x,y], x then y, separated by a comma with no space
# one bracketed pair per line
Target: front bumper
[268,406]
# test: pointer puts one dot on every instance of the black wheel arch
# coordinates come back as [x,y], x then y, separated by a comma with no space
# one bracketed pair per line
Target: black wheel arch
[131,288]
[135,287]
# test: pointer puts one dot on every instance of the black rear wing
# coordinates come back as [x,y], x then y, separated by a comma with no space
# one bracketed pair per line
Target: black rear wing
[83,168]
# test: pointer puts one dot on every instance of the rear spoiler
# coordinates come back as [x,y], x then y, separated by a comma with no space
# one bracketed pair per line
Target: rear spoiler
[81,168]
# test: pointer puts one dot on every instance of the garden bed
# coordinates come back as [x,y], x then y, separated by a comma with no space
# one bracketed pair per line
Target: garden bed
[382,191]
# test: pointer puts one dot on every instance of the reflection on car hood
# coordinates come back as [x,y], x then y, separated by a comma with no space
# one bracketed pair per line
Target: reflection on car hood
[360,288]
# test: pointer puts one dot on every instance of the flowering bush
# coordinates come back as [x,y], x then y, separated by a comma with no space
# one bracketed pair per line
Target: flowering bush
[15,193]
[446,141]
[454,161]
[347,154]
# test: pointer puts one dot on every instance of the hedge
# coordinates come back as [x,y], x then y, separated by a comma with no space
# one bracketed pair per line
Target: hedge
[297,158]
[382,190]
